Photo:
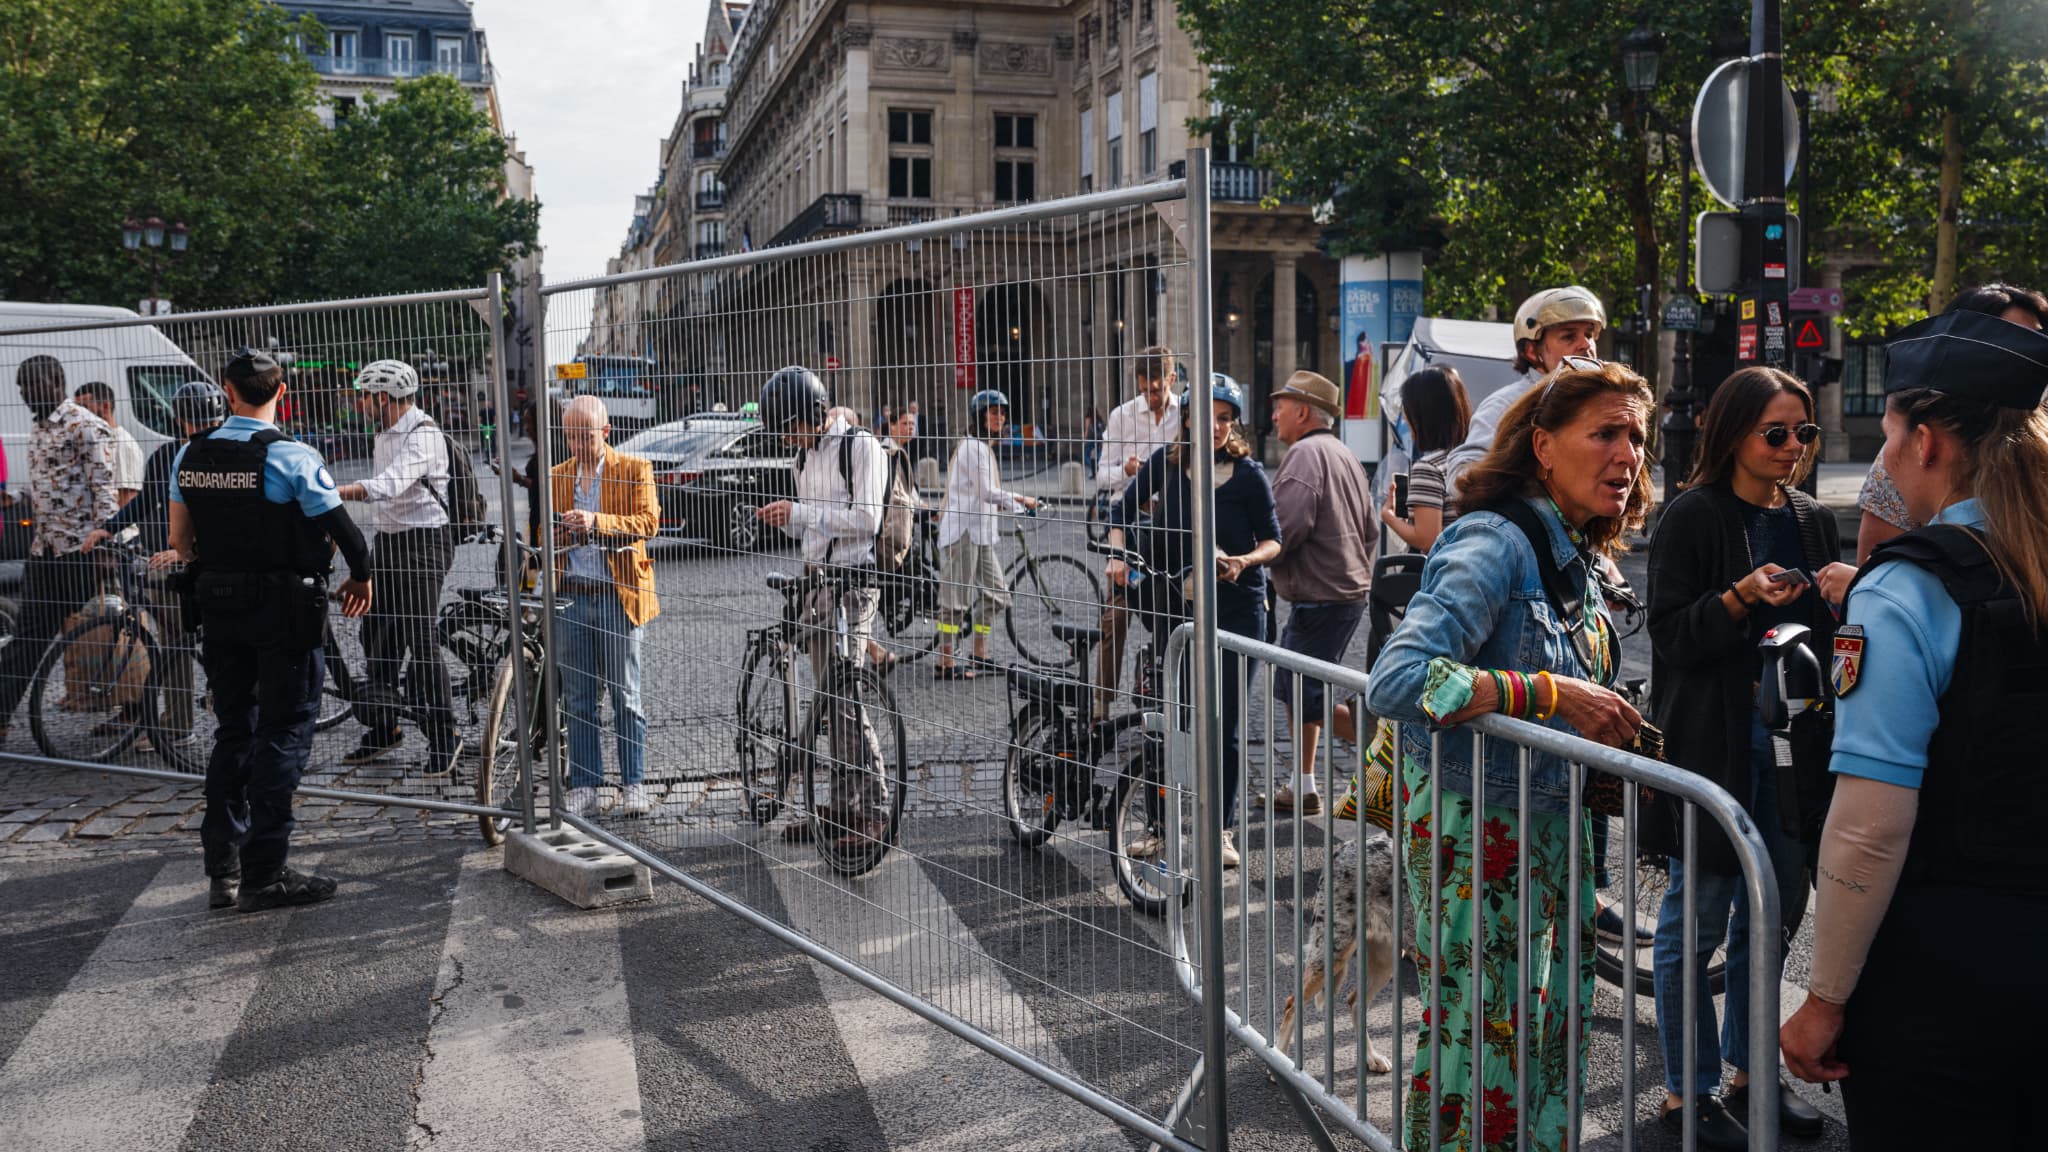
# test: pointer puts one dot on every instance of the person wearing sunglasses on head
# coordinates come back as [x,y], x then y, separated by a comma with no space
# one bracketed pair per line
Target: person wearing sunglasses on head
[1735,555]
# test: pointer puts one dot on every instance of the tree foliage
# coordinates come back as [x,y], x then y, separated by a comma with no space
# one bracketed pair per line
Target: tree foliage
[205,111]
[414,196]
[193,110]
[1503,132]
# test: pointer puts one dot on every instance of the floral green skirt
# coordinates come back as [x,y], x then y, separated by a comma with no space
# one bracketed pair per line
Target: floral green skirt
[1492,1105]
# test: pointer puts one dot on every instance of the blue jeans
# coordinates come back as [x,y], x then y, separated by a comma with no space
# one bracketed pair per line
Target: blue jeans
[1715,897]
[601,652]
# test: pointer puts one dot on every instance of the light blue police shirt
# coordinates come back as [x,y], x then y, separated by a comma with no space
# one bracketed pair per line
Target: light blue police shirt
[291,470]
[1911,630]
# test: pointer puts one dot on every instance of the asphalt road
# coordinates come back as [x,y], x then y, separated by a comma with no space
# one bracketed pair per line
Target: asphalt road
[440,1003]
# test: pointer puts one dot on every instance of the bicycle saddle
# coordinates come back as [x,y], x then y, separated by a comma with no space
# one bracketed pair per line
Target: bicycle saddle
[782,581]
[1086,633]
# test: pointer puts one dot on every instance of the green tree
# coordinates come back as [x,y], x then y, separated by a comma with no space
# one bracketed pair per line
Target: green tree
[194,110]
[414,197]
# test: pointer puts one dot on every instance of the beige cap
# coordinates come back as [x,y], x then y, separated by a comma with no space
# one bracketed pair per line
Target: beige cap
[1314,389]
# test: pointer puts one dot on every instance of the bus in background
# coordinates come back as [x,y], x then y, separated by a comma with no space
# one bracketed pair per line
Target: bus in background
[628,385]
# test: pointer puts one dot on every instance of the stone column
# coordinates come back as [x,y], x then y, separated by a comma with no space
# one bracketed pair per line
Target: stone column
[1284,319]
[1834,436]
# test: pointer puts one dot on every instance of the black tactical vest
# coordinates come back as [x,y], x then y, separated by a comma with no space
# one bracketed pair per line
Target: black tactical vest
[1985,787]
[236,528]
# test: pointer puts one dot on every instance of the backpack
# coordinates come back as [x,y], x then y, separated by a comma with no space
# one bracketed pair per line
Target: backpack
[468,513]
[900,501]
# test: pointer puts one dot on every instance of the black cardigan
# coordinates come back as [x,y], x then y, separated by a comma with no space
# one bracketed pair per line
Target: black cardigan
[1703,663]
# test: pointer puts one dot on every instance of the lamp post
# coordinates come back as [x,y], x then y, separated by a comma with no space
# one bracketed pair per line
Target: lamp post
[1641,50]
[149,235]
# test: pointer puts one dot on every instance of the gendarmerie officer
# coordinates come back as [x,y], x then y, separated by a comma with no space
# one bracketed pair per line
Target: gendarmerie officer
[1930,866]
[254,512]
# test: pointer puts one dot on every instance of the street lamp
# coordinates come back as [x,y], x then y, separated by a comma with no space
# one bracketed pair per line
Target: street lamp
[1641,51]
[149,235]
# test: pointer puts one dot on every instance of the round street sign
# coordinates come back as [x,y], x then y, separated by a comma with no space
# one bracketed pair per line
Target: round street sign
[1720,129]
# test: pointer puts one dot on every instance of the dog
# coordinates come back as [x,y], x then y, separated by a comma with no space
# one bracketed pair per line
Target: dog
[1375,853]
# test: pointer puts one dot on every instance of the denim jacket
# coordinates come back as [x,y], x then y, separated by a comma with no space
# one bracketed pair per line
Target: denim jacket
[1482,604]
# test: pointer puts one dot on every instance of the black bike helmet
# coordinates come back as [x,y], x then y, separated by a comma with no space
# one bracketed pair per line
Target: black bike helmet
[792,394]
[984,400]
[200,403]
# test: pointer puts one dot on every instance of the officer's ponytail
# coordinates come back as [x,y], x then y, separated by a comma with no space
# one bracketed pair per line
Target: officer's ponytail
[2006,470]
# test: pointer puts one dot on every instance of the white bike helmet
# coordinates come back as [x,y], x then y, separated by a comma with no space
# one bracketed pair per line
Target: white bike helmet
[394,378]
[1554,306]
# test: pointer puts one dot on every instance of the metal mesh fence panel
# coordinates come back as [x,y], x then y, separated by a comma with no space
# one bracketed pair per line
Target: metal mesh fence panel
[893,728]
[103,663]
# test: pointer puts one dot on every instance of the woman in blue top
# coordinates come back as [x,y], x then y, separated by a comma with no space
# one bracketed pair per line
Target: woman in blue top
[1481,636]
[1247,539]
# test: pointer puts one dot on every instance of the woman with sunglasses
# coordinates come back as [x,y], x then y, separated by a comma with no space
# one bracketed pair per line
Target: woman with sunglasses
[1736,554]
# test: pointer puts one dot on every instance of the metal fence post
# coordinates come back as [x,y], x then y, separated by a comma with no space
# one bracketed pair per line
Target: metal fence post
[544,493]
[1207,713]
[522,708]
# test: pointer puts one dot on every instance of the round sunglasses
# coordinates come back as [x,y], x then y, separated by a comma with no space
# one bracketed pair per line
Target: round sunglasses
[1777,434]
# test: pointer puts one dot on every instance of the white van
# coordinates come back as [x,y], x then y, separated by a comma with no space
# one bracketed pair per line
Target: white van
[142,364]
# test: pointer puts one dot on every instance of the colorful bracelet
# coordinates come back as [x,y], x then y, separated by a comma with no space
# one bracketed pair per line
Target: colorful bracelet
[1543,714]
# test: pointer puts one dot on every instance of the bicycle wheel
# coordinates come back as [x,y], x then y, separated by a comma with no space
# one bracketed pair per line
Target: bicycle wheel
[758,737]
[1138,836]
[472,638]
[184,726]
[1044,591]
[497,775]
[906,621]
[90,698]
[338,682]
[1031,775]
[846,850]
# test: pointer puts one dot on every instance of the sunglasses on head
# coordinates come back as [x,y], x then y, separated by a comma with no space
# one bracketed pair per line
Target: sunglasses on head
[1572,364]
[1777,434]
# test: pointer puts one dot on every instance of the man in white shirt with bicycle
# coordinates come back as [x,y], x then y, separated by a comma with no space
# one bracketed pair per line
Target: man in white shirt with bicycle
[842,481]
[1136,428]
[408,496]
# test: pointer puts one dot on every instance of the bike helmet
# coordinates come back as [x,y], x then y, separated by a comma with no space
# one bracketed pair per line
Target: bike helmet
[1554,306]
[394,378]
[984,400]
[200,403]
[1229,392]
[792,394]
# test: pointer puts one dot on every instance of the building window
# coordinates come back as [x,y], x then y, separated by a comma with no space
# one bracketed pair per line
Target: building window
[344,106]
[1016,158]
[398,48]
[341,45]
[1113,134]
[1087,149]
[1109,34]
[1863,380]
[910,154]
[1144,11]
[448,53]
[1148,124]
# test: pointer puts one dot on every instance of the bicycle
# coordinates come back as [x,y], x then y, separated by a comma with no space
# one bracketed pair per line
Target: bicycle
[1056,744]
[99,687]
[1044,590]
[768,711]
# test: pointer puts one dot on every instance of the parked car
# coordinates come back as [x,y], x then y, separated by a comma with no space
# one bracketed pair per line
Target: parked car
[712,472]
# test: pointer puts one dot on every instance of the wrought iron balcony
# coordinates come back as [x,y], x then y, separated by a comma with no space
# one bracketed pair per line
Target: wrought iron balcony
[832,212]
[709,200]
[1235,183]
[707,149]
[395,68]
[707,251]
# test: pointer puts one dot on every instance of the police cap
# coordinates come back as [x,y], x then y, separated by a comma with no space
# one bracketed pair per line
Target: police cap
[1973,355]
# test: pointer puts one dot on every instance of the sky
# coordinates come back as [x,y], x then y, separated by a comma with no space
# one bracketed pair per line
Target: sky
[590,87]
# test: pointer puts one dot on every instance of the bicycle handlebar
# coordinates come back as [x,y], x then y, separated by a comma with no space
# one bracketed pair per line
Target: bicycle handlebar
[1135,560]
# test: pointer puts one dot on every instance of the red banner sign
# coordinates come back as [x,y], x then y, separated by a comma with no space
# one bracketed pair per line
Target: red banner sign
[963,338]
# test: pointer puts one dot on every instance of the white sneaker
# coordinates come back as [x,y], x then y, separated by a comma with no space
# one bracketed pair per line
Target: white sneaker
[1145,847]
[579,801]
[1230,856]
[636,802]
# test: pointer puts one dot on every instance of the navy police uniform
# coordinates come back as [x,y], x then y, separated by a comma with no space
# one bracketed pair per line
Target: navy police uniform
[1942,687]
[262,508]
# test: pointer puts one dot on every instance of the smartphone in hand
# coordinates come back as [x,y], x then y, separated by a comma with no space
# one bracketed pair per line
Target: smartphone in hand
[1791,576]
[1401,495]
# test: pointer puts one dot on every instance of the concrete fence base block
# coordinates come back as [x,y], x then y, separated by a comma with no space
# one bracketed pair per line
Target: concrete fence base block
[576,868]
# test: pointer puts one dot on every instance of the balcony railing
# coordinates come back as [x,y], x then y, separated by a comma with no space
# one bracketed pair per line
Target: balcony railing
[1235,183]
[707,149]
[707,251]
[709,200]
[389,68]
[832,212]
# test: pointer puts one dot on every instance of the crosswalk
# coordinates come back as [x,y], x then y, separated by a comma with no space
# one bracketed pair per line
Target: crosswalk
[439,1003]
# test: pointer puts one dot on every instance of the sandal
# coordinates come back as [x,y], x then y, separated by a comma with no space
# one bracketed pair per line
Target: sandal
[951,672]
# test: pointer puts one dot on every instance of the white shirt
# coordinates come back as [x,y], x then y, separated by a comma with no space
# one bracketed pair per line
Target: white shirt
[1131,431]
[836,526]
[1485,425]
[128,462]
[974,495]
[405,453]
[585,563]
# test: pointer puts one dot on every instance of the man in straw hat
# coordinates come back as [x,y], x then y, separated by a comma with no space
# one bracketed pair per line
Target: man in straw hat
[1328,530]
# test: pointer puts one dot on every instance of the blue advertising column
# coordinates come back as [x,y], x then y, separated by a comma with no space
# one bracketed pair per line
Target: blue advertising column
[1382,297]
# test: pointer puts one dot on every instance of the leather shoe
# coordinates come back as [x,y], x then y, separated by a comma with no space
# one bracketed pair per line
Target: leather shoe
[222,890]
[1716,1129]
[1795,1116]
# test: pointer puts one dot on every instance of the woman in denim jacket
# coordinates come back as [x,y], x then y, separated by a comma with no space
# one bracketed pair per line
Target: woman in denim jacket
[1481,636]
